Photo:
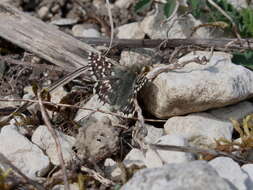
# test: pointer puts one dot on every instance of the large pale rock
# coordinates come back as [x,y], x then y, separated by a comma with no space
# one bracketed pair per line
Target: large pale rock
[237,111]
[200,129]
[157,158]
[230,170]
[198,87]
[43,138]
[22,153]
[248,169]
[195,175]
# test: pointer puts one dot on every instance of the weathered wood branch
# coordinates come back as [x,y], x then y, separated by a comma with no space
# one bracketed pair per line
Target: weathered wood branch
[42,39]
[57,47]
[217,44]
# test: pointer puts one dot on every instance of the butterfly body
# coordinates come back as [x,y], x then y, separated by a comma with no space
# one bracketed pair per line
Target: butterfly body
[115,84]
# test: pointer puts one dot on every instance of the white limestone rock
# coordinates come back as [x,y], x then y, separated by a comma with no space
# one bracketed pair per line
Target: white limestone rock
[157,158]
[237,111]
[130,31]
[200,129]
[23,154]
[155,26]
[43,138]
[196,87]
[194,175]
[86,31]
[230,170]
[154,133]
[134,158]
[248,168]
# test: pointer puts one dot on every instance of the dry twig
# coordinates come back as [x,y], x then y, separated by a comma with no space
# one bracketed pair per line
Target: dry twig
[78,107]
[57,142]
[98,177]
[199,151]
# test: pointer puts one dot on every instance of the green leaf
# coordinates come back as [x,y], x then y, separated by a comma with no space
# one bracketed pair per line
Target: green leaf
[169,7]
[140,4]
[245,59]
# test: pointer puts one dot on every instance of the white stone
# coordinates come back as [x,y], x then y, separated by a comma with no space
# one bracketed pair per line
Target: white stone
[128,58]
[195,175]
[22,153]
[71,186]
[238,4]
[43,12]
[248,168]
[196,87]
[58,94]
[230,170]
[134,158]
[130,31]
[88,31]
[154,133]
[124,4]
[200,129]
[157,158]
[237,111]
[95,104]
[43,138]
[154,26]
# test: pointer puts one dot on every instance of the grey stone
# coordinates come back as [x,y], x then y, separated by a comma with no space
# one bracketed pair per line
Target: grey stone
[196,175]
[248,168]
[200,129]
[230,170]
[196,88]
[237,111]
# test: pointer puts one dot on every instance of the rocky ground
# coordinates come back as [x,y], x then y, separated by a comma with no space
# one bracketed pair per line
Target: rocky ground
[203,106]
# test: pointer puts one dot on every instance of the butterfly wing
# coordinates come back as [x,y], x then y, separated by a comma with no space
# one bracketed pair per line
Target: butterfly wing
[115,85]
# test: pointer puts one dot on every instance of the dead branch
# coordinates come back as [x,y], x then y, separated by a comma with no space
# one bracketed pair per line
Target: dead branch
[42,39]
[199,151]
[218,44]
[98,177]
[57,142]
[73,106]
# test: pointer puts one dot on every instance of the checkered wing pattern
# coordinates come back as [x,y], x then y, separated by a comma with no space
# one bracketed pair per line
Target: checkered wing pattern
[115,84]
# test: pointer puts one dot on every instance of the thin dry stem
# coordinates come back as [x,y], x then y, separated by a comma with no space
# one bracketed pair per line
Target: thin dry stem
[198,151]
[57,142]
[98,177]
[78,107]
